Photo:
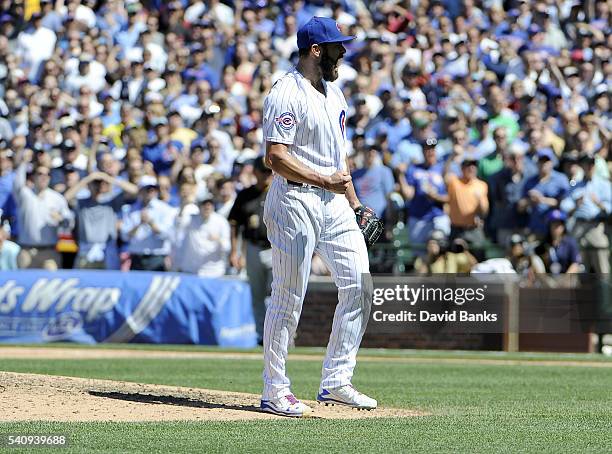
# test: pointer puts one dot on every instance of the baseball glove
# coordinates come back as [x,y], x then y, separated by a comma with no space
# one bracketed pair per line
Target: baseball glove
[370,225]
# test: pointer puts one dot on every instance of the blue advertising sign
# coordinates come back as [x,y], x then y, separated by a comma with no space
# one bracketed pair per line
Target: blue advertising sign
[111,306]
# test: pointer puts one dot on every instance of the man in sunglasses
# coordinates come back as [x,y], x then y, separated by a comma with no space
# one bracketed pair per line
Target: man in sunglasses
[41,211]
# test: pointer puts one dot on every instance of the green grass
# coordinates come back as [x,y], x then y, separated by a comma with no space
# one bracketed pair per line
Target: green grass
[471,407]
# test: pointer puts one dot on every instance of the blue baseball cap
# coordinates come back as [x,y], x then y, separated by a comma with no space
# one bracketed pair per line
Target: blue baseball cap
[319,30]
[557,215]
[547,153]
[198,143]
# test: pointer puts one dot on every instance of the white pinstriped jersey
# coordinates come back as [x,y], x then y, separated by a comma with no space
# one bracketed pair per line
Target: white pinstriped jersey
[302,220]
[310,123]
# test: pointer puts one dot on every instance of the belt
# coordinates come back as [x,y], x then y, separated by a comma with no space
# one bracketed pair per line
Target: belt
[295,183]
[301,185]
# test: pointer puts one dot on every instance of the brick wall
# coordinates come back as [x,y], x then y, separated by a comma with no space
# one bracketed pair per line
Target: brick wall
[318,312]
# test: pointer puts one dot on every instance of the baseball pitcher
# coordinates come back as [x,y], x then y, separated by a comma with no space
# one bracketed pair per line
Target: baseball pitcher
[312,207]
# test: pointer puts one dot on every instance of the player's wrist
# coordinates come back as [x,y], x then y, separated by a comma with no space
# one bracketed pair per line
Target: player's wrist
[323,182]
[355,204]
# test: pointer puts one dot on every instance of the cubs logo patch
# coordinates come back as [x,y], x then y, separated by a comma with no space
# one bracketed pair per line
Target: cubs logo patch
[286,120]
[341,120]
[338,27]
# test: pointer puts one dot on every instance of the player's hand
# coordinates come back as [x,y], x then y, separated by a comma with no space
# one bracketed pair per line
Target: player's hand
[338,182]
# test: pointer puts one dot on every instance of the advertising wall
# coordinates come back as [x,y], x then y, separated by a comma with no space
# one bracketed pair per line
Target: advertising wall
[107,306]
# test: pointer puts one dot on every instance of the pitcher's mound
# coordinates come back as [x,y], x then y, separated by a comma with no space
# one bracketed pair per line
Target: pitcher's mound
[33,397]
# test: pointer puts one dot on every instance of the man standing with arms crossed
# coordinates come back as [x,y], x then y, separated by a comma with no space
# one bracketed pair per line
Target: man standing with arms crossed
[311,207]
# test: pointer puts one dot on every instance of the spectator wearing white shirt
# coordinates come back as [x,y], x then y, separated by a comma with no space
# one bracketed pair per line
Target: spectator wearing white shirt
[287,44]
[205,243]
[226,196]
[159,57]
[194,11]
[187,208]
[9,252]
[36,44]
[81,11]
[148,228]
[40,211]
[86,73]
[219,142]
[221,12]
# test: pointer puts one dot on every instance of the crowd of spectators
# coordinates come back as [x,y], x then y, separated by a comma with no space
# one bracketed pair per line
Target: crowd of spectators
[127,128]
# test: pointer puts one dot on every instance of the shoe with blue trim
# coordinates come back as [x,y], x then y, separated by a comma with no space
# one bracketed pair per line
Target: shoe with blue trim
[346,395]
[286,406]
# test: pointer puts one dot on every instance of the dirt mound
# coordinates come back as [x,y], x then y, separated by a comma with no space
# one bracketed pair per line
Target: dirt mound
[33,397]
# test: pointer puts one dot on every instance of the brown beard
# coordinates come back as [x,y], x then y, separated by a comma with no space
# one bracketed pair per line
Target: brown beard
[327,66]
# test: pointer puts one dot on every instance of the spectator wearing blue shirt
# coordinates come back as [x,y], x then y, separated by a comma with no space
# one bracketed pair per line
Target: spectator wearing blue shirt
[51,18]
[373,182]
[535,143]
[201,70]
[484,144]
[424,190]
[162,152]
[97,216]
[410,150]
[128,39]
[543,192]
[589,204]
[561,253]
[7,176]
[396,126]
[110,113]
[70,152]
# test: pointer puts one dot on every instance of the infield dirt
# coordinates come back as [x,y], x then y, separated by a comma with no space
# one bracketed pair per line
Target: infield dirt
[35,397]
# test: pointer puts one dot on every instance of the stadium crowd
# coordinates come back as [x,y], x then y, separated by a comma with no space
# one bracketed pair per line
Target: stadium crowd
[127,128]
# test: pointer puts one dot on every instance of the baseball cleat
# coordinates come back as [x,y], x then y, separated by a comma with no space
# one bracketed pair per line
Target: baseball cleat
[286,406]
[346,395]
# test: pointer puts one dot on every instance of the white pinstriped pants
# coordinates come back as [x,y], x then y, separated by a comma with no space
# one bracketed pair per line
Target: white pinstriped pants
[301,221]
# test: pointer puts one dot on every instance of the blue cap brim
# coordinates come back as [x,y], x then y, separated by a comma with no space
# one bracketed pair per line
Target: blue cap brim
[339,40]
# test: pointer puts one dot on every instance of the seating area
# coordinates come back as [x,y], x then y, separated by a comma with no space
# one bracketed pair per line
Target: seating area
[397,255]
